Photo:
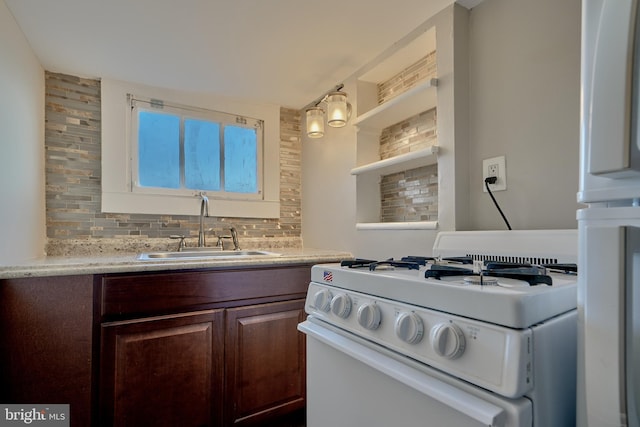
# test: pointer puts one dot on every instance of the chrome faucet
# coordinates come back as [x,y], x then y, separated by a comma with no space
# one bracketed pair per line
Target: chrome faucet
[204,211]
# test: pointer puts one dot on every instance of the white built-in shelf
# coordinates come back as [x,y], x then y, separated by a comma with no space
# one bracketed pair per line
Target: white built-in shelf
[419,98]
[414,159]
[417,225]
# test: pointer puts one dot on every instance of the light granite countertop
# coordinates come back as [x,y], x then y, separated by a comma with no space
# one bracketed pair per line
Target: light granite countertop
[122,263]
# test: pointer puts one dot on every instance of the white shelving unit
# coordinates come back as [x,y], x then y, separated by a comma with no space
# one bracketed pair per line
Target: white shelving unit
[448,93]
[373,118]
[414,101]
[411,160]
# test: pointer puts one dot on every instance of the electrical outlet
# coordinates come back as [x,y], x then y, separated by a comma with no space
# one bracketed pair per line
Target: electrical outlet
[495,166]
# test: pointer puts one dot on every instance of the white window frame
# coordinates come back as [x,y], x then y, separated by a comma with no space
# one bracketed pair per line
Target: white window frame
[118,195]
[138,103]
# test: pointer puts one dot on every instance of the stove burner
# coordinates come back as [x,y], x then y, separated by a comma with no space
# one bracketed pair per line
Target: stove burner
[532,274]
[563,268]
[392,263]
[480,280]
[422,260]
[459,259]
[356,263]
[494,265]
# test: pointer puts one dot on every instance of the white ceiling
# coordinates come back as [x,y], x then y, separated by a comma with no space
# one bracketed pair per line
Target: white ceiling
[286,52]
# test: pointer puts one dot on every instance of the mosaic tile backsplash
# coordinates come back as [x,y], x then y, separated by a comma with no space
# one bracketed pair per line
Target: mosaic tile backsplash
[75,223]
[411,195]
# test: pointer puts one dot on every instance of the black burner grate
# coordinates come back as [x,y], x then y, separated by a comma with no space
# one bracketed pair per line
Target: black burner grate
[534,275]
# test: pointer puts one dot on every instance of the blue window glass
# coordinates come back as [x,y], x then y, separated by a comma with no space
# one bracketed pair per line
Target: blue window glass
[201,155]
[158,150]
[191,150]
[240,160]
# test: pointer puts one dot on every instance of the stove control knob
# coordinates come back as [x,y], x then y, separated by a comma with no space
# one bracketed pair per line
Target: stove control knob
[409,328]
[447,339]
[341,305]
[322,300]
[369,316]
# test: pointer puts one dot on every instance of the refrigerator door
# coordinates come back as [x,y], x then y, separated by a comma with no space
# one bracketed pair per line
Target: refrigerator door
[632,321]
[610,153]
[608,310]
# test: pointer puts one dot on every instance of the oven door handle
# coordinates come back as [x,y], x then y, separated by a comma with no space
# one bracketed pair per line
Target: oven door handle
[475,408]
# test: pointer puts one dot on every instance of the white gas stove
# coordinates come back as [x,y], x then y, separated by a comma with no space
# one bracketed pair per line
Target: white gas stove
[487,308]
[518,287]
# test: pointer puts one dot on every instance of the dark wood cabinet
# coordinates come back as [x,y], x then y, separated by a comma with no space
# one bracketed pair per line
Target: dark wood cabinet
[265,361]
[216,347]
[46,342]
[246,350]
[163,371]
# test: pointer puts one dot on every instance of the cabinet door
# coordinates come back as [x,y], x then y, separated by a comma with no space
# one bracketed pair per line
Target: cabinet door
[46,342]
[265,362]
[163,371]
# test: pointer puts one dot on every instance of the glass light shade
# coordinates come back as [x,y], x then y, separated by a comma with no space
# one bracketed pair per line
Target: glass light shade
[337,110]
[315,122]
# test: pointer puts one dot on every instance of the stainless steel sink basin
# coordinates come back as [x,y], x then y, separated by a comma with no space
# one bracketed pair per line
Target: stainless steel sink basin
[199,253]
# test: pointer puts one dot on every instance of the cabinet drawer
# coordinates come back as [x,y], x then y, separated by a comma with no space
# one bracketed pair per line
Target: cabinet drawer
[131,295]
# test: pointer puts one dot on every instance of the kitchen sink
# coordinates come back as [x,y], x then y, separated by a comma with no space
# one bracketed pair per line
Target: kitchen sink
[200,253]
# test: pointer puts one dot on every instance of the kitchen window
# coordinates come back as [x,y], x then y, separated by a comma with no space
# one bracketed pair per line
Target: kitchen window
[185,150]
[227,148]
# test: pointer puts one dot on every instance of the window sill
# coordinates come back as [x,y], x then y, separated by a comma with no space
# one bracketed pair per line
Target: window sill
[136,203]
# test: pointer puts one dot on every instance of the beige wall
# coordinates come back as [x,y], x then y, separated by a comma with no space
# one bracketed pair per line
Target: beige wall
[524,68]
[524,104]
[524,63]
[22,218]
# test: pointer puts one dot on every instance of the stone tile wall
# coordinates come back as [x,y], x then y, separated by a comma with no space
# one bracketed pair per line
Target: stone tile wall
[424,68]
[75,223]
[412,134]
[410,195]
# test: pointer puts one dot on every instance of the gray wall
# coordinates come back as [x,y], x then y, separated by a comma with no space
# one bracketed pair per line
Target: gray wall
[524,104]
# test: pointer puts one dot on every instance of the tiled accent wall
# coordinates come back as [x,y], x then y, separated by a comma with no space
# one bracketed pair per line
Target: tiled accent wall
[412,134]
[73,171]
[410,195]
[422,69]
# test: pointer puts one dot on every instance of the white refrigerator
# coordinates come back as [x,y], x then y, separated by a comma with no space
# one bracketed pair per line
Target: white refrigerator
[609,225]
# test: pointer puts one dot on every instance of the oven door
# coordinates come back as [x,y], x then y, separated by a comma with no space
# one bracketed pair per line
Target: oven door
[352,382]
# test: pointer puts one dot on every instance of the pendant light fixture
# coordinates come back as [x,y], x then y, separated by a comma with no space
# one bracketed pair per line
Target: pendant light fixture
[338,112]
[315,122]
[337,109]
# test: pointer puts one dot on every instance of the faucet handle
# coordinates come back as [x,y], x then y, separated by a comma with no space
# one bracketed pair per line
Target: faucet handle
[234,236]
[220,243]
[182,244]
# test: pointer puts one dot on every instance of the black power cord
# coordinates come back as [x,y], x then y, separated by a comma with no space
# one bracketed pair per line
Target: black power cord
[492,180]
